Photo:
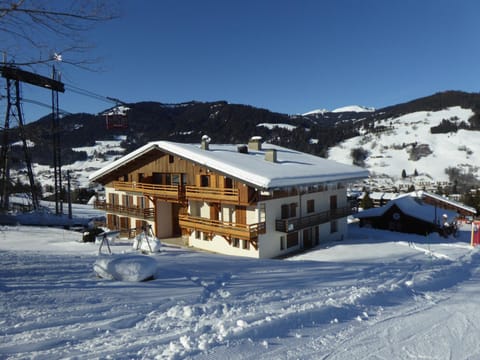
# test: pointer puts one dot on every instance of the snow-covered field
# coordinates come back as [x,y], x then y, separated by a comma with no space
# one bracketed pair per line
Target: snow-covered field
[376,295]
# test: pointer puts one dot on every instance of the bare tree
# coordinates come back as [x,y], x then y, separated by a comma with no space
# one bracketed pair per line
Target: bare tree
[35,32]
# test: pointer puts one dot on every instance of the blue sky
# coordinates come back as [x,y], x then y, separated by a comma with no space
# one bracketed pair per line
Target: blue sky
[285,56]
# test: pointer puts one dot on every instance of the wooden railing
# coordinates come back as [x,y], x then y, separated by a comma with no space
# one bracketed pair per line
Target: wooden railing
[225,195]
[227,229]
[141,213]
[295,224]
[167,192]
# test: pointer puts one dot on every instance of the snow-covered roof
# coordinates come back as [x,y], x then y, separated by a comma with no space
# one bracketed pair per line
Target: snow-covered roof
[421,194]
[291,167]
[377,195]
[410,206]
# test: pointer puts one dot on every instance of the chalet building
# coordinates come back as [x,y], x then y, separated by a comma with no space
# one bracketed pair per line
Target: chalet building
[408,214]
[257,200]
[463,211]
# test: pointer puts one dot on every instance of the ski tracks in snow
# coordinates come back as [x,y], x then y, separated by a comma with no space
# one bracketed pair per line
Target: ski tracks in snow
[198,307]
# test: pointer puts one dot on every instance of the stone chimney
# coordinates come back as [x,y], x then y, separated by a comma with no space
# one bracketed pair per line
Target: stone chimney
[271,155]
[255,143]
[205,141]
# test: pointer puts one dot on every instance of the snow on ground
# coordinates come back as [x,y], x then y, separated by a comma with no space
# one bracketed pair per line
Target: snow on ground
[98,156]
[376,295]
[390,151]
[279,125]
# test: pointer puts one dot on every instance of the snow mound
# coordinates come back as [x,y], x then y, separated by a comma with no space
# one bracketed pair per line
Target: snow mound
[128,267]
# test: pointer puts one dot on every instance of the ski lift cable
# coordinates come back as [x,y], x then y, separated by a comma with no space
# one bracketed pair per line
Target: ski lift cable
[93,95]
[48,106]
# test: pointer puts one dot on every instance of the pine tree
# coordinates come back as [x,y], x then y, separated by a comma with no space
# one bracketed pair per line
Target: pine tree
[366,202]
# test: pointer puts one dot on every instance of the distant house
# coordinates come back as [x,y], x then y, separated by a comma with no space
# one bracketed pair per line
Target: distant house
[257,200]
[407,214]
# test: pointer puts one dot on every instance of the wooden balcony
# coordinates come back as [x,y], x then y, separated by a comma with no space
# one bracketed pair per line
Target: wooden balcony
[295,224]
[225,229]
[145,213]
[220,195]
[165,192]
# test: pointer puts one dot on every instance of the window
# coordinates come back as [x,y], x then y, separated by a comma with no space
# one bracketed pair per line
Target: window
[236,242]
[333,226]
[333,202]
[228,183]
[140,177]
[282,242]
[310,206]
[293,209]
[156,178]
[113,199]
[125,177]
[246,244]
[289,210]
[204,180]
[175,179]
[171,159]
[127,200]
[292,239]
[198,235]
[262,213]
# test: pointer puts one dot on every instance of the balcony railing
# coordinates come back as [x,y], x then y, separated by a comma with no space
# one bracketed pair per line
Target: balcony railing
[141,213]
[166,192]
[295,224]
[226,229]
[225,195]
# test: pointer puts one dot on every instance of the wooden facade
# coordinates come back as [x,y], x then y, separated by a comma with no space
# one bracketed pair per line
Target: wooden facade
[177,181]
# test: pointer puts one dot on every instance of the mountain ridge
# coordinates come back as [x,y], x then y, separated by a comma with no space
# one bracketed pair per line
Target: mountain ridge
[223,122]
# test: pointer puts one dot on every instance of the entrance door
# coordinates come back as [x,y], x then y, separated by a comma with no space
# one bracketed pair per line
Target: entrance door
[307,238]
[176,230]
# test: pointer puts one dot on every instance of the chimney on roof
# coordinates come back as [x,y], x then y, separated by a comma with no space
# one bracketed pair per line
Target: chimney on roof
[271,155]
[255,143]
[205,141]
[242,149]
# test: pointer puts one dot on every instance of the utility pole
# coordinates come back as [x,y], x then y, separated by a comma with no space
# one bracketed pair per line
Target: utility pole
[57,161]
[69,194]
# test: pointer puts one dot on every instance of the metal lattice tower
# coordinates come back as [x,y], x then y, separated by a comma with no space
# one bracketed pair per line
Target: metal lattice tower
[14,76]
[14,112]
